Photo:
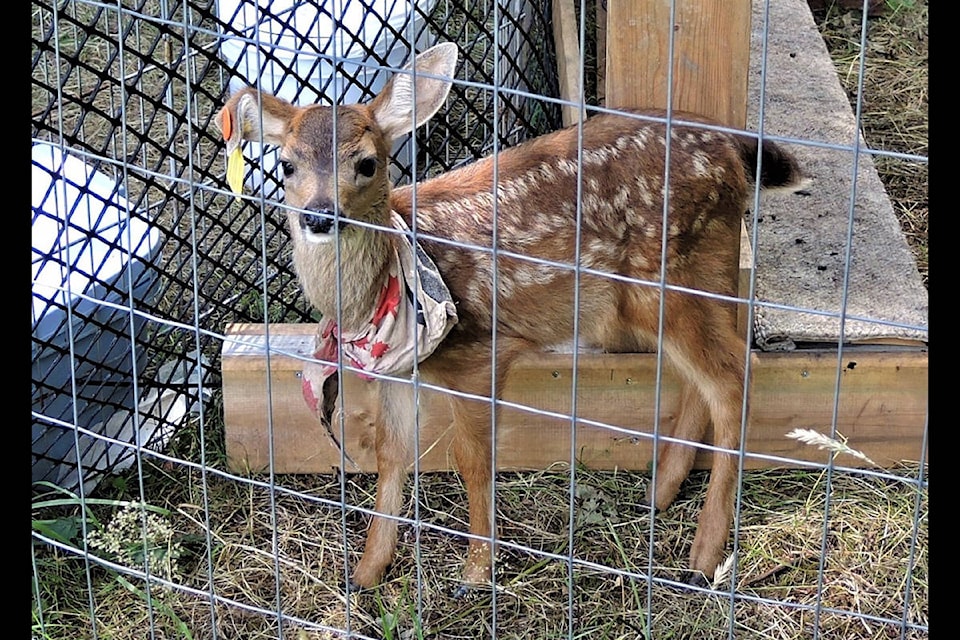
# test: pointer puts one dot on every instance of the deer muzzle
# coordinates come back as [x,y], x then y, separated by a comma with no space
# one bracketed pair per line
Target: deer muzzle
[318,226]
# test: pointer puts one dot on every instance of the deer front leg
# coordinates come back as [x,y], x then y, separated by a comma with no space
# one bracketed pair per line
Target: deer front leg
[395,426]
[467,369]
[473,452]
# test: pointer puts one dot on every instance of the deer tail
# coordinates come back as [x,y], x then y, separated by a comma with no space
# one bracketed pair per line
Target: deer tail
[778,168]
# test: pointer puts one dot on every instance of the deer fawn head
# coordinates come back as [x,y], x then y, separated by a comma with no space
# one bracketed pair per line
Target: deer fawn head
[335,160]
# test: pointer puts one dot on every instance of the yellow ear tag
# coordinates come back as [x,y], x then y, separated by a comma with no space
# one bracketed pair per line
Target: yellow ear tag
[235,170]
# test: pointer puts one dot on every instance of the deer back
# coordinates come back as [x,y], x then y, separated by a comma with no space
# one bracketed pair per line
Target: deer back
[620,182]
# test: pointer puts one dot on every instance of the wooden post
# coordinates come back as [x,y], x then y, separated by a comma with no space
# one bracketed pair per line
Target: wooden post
[711,59]
[711,56]
[601,52]
[566,39]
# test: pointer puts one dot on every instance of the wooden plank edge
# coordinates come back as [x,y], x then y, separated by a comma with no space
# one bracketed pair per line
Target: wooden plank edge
[601,71]
[744,317]
[881,410]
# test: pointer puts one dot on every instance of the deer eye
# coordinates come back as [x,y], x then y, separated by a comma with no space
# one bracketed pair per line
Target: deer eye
[287,167]
[367,167]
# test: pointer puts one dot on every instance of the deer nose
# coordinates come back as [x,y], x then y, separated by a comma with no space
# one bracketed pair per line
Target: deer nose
[319,221]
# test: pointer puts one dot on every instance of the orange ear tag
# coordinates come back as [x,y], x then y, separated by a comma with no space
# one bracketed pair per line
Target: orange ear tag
[235,159]
[227,124]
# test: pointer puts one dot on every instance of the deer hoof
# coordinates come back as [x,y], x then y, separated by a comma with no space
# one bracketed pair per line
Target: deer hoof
[695,579]
[361,580]
[461,591]
[354,587]
[650,501]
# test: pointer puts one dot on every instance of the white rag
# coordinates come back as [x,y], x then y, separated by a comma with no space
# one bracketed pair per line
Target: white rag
[404,326]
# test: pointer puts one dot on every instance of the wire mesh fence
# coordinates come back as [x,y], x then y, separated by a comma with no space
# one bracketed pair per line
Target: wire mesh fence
[142,258]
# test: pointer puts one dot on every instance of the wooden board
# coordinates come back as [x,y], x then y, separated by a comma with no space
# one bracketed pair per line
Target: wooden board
[881,409]
[566,39]
[710,63]
[601,52]
[743,280]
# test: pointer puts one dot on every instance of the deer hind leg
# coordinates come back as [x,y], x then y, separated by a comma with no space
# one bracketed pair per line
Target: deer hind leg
[674,459]
[703,343]
[394,434]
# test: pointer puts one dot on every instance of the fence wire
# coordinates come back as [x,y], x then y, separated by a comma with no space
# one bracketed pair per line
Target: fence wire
[142,258]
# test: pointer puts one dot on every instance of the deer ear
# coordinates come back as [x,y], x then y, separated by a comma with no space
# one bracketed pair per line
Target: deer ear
[409,93]
[259,117]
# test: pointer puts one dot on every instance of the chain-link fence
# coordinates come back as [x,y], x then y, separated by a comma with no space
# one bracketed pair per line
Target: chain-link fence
[124,101]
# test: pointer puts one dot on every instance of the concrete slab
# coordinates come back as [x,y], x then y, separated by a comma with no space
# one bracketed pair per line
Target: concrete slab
[802,240]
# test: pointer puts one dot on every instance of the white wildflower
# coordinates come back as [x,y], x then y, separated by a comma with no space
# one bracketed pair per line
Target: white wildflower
[140,539]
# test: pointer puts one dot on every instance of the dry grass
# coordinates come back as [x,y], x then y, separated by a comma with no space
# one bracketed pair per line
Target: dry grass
[854,570]
[868,543]
[894,101]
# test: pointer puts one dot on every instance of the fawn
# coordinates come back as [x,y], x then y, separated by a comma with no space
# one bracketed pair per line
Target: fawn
[340,206]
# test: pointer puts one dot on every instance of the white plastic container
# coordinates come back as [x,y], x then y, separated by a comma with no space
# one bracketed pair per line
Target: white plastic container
[288,46]
[86,252]
[65,189]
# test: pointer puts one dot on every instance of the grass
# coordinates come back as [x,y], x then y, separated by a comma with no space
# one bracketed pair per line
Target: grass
[863,559]
[894,101]
[866,547]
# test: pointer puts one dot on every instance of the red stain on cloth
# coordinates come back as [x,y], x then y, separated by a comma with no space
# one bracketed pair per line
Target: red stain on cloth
[393,338]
